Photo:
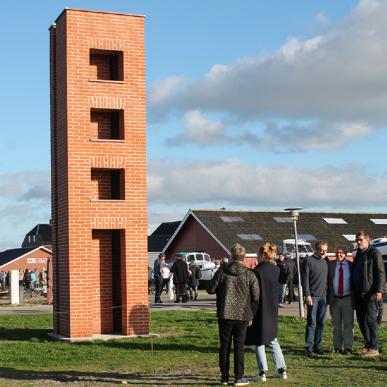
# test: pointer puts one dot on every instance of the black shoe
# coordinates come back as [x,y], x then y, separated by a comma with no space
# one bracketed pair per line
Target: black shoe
[177,302]
[338,351]
[308,353]
[224,382]
[318,351]
[347,351]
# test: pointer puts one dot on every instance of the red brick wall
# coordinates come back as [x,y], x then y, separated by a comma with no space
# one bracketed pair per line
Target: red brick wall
[193,237]
[76,213]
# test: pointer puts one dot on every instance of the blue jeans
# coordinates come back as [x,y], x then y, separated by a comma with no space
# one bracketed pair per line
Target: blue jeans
[315,323]
[281,293]
[276,353]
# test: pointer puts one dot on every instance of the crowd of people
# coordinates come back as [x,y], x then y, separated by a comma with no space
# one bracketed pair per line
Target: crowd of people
[248,300]
[179,280]
[33,280]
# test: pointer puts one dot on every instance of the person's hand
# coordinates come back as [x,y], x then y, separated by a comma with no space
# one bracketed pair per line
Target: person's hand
[249,323]
[378,296]
[309,301]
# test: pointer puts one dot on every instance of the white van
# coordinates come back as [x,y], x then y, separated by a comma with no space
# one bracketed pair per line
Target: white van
[304,248]
[203,261]
[381,245]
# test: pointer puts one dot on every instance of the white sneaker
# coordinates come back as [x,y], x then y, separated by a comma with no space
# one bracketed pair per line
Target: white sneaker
[280,375]
[241,382]
[258,378]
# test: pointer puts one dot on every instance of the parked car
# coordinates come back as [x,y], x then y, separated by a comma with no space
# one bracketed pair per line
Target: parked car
[203,261]
[381,245]
[304,248]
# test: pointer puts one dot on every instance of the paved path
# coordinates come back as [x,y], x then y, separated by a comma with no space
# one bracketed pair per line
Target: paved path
[205,301]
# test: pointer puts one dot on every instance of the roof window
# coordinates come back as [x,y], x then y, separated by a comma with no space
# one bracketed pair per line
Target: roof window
[250,237]
[350,237]
[335,220]
[230,219]
[283,219]
[379,221]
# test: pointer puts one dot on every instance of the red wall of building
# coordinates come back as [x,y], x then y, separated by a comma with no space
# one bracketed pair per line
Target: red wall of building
[193,237]
[37,259]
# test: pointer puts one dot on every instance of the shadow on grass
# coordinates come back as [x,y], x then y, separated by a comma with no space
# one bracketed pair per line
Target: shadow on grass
[28,334]
[157,346]
[106,377]
[24,334]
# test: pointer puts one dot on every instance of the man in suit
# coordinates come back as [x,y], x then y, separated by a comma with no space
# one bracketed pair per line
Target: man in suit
[340,301]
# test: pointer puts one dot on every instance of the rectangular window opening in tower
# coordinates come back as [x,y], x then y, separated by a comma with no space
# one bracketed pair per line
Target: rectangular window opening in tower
[106,65]
[107,124]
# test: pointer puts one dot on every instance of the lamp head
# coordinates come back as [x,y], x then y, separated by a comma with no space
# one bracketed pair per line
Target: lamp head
[294,212]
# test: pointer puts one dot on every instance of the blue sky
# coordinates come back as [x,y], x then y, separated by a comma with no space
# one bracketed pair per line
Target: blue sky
[251,104]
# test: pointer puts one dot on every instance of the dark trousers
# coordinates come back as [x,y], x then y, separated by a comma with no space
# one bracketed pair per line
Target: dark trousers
[289,283]
[315,320]
[181,292]
[159,288]
[232,330]
[366,314]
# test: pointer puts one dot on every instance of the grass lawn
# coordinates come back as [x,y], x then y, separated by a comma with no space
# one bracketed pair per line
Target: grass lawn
[185,354]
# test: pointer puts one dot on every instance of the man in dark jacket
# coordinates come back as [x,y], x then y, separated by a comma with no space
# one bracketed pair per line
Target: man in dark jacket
[158,276]
[180,278]
[368,281]
[314,281]
[237,292]
[291,274]
[340,301]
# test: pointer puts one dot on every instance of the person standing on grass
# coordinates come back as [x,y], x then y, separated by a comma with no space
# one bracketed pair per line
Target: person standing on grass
[158,275]
[340,301]
[263,330]
[315,280]
[180,278]
[237,291]
[193,280]
[291,274]
[281,280]
[368,279]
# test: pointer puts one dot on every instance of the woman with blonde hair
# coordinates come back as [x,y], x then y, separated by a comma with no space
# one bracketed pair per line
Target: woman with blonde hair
[263,330]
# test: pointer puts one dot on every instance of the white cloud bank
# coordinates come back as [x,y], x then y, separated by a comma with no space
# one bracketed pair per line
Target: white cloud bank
[337,82]
[224,183]
[24,202]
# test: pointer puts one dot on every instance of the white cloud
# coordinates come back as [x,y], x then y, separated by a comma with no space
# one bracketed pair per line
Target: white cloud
[329,80]
[25,185]
[231,183]
[296,137]
[24,202]
[199,131]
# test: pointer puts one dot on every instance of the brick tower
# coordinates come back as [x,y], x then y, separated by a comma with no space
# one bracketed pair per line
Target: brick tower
[98,162]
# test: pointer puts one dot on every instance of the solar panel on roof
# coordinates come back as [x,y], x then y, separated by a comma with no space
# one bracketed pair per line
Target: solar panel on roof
[230,219]
[379,221]
[282,219]
[250,237]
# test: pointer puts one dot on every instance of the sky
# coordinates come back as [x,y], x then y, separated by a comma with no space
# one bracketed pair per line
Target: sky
[250,105]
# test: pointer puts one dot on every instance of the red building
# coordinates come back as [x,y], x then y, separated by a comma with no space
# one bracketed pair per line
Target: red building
[215,231]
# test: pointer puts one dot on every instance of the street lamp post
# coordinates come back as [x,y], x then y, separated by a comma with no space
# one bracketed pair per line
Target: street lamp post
[294,213]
